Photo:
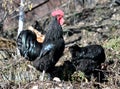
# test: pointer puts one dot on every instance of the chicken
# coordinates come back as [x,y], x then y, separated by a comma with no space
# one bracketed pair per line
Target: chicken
[87,59]
[93,52]
[28,46]
[52,47]
[46,52]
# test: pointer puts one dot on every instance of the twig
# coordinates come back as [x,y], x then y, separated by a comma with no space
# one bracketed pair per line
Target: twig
[45,1]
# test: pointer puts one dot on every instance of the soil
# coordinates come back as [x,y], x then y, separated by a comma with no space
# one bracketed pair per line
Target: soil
[99,25]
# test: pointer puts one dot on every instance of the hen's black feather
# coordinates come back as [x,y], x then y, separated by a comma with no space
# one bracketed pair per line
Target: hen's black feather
[64,72]
[93,52]
[88,59]
[28,45]
[52,48]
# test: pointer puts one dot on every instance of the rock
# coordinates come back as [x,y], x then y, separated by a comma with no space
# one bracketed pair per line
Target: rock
[116,17]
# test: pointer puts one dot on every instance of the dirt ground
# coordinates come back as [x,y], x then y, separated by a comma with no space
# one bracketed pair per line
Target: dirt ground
[99,25]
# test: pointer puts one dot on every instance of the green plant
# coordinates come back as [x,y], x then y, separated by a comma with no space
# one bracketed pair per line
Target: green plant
[79,76]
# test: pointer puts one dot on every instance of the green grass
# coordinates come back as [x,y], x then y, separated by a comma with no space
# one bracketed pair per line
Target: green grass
[113,43]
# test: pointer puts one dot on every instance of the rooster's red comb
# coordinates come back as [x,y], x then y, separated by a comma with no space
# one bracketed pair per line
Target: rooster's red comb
[57,12]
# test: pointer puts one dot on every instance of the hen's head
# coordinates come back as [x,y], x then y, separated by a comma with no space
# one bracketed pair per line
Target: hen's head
[59,13]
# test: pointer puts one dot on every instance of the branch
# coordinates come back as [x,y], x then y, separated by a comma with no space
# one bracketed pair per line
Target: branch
[21,20]
[37,6]
[21,17]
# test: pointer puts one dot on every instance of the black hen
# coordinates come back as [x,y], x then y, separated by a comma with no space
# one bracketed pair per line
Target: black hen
[87,59]
[93,52]
[52,47]
[28,45]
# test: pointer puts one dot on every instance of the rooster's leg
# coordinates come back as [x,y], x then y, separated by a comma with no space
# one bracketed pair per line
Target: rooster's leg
[43,74]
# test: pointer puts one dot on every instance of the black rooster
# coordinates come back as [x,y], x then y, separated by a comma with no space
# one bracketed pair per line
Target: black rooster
[52,47]
[28,46]
[87,59]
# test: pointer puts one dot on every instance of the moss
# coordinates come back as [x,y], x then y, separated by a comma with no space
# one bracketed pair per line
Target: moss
[113,43]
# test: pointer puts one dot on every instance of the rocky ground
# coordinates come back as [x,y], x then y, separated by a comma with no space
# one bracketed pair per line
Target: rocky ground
[100,25]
